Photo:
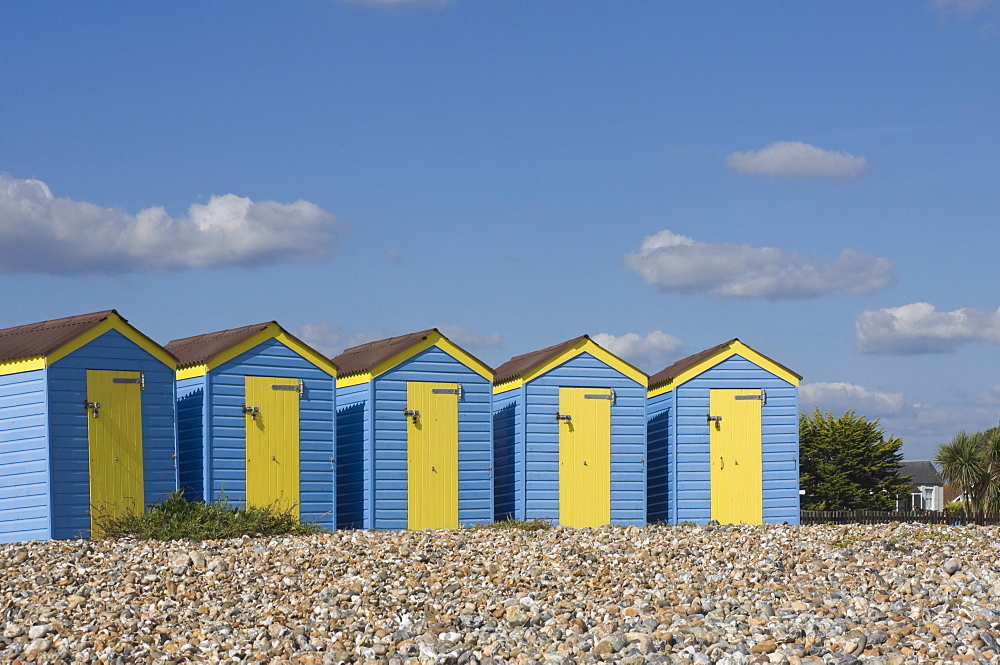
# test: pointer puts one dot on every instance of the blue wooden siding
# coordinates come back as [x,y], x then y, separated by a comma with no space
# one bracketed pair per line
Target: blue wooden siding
[69,457]
[475,439]
[353,456]
[780,444]
[24,458]
[658,483]
[538,478]
[507,451]
[191,425]
[226,459]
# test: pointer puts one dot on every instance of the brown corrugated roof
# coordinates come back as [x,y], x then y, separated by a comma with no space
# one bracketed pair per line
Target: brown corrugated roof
[675,370]
[365,357]
[200,349]
[44,337]
[520,365]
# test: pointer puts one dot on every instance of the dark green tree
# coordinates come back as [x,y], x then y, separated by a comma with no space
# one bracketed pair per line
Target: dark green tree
[847,463]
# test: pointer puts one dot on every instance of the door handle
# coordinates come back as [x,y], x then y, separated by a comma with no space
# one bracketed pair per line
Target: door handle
[722,463]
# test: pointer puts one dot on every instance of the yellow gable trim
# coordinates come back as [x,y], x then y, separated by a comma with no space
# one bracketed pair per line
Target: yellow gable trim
[113,322]
[737,348]
[583,346]
[271,331]
[22,365]
[433,339]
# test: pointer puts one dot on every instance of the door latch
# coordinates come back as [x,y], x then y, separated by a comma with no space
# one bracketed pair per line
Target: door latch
[564,416]
[252,410]
[411,413]
[714,419]
[96,406]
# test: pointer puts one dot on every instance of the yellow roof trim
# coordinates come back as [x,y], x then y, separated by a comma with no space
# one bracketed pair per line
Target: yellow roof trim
[433,339]
[22,365]
[271,331]
[583,346]
[737,348]
[114,322]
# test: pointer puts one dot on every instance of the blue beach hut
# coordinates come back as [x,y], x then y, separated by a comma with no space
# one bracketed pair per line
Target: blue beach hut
[256,413]
[414,441]
[570,438]
[724,439]
[87,425]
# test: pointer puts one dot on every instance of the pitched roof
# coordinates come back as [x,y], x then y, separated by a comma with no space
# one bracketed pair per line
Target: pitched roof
[520,365]
[673,371]
[199,349]
[365,357]
[45,337]
[923,472]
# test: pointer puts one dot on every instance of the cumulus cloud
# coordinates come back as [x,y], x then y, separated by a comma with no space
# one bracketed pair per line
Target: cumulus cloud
[840,397]
[331,340]
[42,233]
[674,262]
[467,340]
[650,353]
[920,328]
[794,159]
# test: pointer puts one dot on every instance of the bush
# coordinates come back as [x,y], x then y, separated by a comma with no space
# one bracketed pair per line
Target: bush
[176,518]
[523,525]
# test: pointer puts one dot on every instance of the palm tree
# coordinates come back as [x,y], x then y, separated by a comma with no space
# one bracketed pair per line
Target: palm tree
[963,462]
[990,488]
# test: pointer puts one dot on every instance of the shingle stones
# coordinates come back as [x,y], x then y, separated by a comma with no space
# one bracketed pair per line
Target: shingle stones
[665,594]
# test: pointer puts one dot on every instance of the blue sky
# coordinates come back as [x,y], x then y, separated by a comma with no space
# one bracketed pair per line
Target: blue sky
[819,180]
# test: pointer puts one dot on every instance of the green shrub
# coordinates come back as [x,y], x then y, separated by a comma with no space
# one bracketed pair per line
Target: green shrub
[535,524]
[176,518]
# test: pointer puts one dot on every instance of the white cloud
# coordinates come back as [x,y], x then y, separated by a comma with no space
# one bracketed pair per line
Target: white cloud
[43,233]
[467,340]
[650,353]
[990,397]
[674,262]
[920,328]
[840,397]
[794,159]
[331,340]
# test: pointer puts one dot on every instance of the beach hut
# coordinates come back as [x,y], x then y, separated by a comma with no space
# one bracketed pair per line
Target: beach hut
[570,439]
[724,439]
[87,425]
[256,409]
[414,438]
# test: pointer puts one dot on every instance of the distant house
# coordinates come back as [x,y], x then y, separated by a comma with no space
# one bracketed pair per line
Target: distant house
[926,489]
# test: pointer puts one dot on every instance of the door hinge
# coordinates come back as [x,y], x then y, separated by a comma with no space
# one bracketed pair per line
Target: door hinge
[762,396]
[297,387]
[610,395]
[448,391]
[141,380]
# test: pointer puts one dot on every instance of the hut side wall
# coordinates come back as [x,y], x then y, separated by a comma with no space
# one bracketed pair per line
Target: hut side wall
[780,441]
[475,439]
[69,453]
[539,479]
[658,463]
[192,424]
[508,452]
[353,456]
[24,458]
[227,456]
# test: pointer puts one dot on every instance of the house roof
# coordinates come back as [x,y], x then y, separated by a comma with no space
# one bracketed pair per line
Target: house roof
[923,472]
[365,357]
[675,370]
[520,365]
[199,349]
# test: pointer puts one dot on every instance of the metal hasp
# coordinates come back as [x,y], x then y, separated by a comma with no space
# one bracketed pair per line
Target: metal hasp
[762,396]
[87,406]
[448,391]
[252,410]
[412,413]
[610,395]
[564,416]
[714,419]
[141,380]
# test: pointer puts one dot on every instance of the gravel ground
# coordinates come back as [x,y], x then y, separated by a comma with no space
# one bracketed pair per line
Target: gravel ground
[896,593]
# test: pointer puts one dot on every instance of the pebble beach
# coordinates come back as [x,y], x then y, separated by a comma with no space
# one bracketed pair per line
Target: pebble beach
[897,593]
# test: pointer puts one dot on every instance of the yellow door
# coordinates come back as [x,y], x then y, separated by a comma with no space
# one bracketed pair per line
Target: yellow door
[736,457]
[114,440]
[432,455]
[271,412]
[585,456]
